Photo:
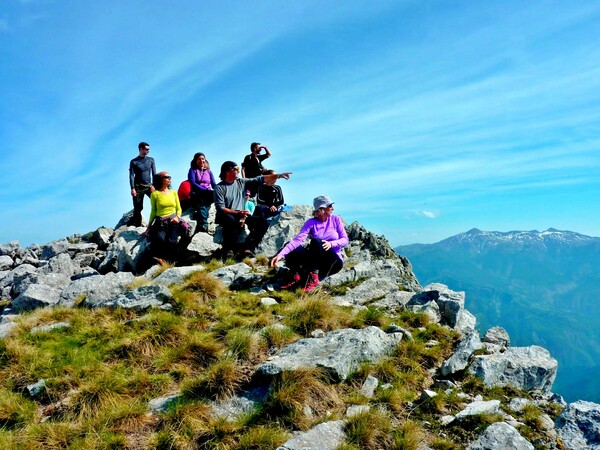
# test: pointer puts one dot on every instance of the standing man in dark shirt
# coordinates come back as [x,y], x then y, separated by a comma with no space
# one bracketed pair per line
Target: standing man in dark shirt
[252,165]
[141,174]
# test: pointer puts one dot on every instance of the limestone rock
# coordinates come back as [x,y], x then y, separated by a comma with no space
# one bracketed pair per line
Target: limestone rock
[369,386]
[6,329]
[19,271]
[479,407]
[35,389]
[496,339]
[229,274]
[325,436]
[460,358]
[527,368]
[139,299]
[54,248]
[242,403]
[12,249]
[202,246]
[106,288]
[339,352]
[61,263]
[127,250]
[451,306]
[55,280]
[370,289]
[36,296]
[283,227]
[161,404]
[176,275]
[101,237]
[355,410]
[6,262]
[49,327]
[579,426]
[500,436]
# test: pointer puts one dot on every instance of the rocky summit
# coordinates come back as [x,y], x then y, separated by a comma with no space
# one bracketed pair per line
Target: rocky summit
[371,360]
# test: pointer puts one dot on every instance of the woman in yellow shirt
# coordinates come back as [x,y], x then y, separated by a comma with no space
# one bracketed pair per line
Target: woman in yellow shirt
[165,226]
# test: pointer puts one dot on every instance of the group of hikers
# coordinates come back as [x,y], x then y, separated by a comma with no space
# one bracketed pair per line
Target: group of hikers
[247,201]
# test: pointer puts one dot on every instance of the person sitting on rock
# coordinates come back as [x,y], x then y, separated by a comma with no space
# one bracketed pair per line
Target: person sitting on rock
[230,200]
[323,256]
[202,184]
[269,197]
[165,227]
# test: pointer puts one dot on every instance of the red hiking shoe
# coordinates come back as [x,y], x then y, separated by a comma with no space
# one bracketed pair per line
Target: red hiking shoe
[311,283]
[293,281]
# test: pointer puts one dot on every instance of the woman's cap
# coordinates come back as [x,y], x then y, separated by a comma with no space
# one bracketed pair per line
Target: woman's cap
[322,201]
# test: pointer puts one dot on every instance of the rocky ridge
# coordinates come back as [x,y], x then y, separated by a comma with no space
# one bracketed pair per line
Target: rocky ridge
[103,267]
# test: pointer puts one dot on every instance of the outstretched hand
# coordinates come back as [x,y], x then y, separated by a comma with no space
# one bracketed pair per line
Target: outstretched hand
[285,175]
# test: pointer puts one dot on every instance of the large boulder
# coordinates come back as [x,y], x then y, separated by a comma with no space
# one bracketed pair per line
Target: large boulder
[528,368]
[451,306]
[61,263]
[202,246]
[283,227]
[54,248]
[339,352]
[36,296]
[459,360]
[579,426]
[6,262]
[176,275]
[107,288]
[12,249]
[500,436]
[127,250]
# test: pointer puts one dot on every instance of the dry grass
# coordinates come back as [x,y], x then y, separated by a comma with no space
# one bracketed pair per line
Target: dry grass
[204,285]
[303,397]
[315,312]
[220,380]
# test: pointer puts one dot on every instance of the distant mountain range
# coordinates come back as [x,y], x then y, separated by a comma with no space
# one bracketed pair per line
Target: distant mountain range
[542,287]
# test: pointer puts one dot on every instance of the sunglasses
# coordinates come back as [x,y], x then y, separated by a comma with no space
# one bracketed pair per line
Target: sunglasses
[235,168]
[168,177]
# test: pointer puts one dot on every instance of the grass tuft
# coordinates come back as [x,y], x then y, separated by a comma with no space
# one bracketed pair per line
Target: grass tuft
[220,380]
[204,285]
[315,311]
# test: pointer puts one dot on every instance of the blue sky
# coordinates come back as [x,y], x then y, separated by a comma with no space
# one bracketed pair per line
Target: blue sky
[420,119]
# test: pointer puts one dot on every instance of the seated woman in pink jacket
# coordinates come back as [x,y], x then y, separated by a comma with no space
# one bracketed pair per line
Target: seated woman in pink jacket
[323,256]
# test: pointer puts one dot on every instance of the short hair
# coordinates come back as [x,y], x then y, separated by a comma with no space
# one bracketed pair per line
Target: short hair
[226,167]
[268,172]
[194,165]
[142,145]
[253,146]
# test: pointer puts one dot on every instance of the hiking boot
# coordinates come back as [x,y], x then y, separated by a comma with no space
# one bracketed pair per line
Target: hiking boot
[311,283]
[292,282]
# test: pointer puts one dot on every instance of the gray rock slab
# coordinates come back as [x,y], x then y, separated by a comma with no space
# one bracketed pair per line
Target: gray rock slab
[497,336]
[36,296]
[202,245]
[17,272]
[527,368]
[229,274]
[369,386]
[500,436]
[394,301]
[355,410]
[579,426]
[106,288]
[161,404]
[241,403]
[479,407]
[283,228]
[54,248]
[370,289]
[325,436]
[125,251]
[176,275]
[268,301]
[6,262]
[6,329]
[462,354]
[339,352]
[12,249]
[50,327]
[140,299]
[517,404]
[62,264]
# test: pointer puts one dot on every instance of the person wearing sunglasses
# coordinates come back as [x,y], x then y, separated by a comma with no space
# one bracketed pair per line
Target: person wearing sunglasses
[230,201]
[165,226]
[141,171]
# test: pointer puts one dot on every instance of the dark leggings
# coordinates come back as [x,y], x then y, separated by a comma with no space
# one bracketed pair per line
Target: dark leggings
[231,227]
[314,258]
